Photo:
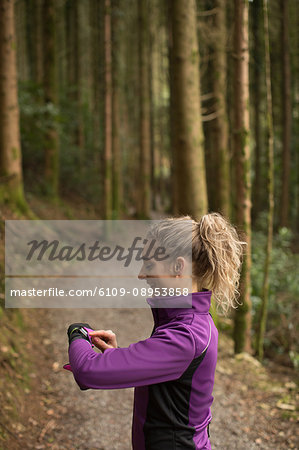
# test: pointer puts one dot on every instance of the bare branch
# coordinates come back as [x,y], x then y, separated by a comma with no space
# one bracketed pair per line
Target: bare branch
[209,117]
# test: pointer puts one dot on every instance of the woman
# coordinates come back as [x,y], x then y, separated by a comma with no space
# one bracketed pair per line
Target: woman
[173,370]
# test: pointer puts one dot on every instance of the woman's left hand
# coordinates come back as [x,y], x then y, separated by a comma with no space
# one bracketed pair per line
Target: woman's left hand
[103,339]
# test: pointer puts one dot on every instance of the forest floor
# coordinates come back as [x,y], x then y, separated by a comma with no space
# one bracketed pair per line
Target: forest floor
[42,407]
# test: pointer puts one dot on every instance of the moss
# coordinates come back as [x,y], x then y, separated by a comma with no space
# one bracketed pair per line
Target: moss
[15,153]
[194,57]
[3,437]
[287,415]
[13,196]
[19,320]
[214,314]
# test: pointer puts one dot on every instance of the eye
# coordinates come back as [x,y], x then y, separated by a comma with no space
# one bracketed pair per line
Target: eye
[148,266]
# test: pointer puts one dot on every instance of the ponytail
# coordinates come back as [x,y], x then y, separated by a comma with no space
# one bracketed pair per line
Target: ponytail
[217,254]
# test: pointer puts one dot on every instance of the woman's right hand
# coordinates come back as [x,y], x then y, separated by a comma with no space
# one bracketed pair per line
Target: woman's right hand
[103,339]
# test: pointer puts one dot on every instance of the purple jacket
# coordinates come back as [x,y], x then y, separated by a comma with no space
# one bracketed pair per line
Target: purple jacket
[172,372]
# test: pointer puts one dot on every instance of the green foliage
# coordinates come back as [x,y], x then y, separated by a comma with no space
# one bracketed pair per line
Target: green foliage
[79,173]
[294,357]
[36,117]
[283,291]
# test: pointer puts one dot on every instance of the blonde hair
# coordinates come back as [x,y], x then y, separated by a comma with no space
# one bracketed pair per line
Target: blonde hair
[217,252]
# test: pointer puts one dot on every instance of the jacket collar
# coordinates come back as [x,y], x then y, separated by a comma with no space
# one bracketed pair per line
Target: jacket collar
[195,302]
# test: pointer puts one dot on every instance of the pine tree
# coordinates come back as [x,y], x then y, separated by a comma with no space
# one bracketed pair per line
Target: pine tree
[11,178]
[190,196]
[242,325]
[144,178]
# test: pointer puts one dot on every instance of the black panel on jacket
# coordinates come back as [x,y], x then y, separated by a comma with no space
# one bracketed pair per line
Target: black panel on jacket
[166,426]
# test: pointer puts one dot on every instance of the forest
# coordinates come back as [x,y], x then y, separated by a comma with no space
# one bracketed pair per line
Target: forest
[144,109]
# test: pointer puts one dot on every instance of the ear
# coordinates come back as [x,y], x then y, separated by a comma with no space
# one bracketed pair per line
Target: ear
[179,264]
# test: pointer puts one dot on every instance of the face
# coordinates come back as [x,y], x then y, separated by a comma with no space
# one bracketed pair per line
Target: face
[163,274]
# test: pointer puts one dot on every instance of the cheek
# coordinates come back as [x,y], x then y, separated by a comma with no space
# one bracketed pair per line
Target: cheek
[163,271]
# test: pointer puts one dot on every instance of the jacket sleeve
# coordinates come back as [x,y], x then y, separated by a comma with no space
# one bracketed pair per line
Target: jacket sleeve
[162,357]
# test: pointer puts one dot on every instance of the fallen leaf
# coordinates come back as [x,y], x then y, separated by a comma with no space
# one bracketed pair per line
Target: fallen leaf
[55,366]
[19,427]
[247,357]
[291,385]
[264,406]
[223,371]
[32,421]
[285,406]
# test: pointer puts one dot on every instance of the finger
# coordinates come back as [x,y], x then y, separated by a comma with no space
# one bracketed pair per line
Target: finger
[110,332]
[97,341]
[101,345]
[99,333]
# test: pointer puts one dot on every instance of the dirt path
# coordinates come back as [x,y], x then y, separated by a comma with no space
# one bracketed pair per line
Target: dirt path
[245,415]
[252,406]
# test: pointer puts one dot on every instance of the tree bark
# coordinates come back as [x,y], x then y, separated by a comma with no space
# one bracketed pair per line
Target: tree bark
[50,92]
[116,151]
[11,179]
[265,289]
[78,72]
[108,115]
[256,92]
[97,81]
[151,74]
[190,195]
[242,325]
[286,116]
[220,123]
[38,41]
[144,179]
[21,38]
[74,30]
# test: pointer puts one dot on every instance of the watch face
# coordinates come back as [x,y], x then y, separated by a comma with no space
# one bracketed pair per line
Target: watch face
[83,331]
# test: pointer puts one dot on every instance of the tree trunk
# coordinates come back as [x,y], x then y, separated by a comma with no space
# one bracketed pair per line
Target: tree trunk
[61,49]
[144,178]
[74,73]
[78,49]
[21,39]
[242,325]
[265,291]
[11,179]
[220,123]
[38,41]
[256,93]
[286,116]
[108,115]
[50,92]
[189,167]
[151,74]
[70,38]
[97,83]
[173,169]
[117,165]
